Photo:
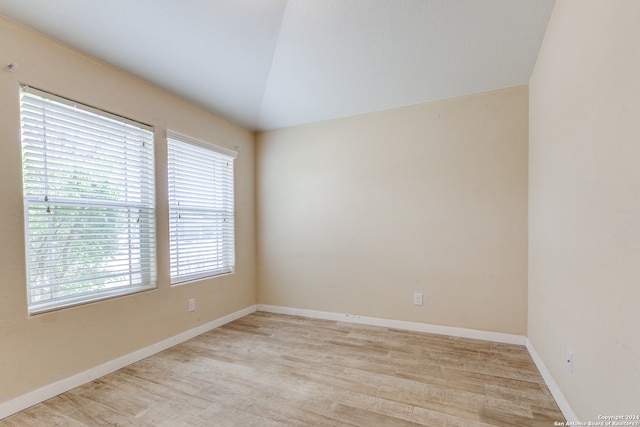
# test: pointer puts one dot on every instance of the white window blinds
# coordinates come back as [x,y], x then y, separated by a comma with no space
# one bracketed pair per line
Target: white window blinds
[89,202]
[201,209]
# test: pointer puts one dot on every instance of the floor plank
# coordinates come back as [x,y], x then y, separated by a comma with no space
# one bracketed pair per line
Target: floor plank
[276,370]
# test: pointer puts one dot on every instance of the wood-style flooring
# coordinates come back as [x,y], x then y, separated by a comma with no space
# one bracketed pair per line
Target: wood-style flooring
[274,370]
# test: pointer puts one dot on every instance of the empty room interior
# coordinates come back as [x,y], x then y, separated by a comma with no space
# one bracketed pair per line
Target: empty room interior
[368,212]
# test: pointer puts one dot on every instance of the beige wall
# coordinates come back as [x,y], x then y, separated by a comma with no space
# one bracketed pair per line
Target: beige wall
[358,213]
[584,204]
[38,350]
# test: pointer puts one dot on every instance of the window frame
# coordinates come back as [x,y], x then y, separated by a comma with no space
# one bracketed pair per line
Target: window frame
[175,277]
[87,204]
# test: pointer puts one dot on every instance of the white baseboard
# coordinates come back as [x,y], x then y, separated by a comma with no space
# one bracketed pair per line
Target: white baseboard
[43,393]
[399,324]
[555,390]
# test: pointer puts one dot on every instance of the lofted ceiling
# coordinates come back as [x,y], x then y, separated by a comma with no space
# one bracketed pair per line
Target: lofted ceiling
[267,64]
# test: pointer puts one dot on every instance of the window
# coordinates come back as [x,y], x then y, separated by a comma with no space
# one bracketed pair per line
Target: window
[89,202]
[201,209]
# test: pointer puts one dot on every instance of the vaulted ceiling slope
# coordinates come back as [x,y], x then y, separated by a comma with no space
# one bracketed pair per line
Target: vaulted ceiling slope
[266,64]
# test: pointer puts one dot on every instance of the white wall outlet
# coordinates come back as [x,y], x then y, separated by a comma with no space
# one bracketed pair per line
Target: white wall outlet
[192,304]
[570,362]
[417,298]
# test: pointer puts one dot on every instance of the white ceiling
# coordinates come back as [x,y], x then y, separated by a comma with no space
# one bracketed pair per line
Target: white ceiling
[267,64]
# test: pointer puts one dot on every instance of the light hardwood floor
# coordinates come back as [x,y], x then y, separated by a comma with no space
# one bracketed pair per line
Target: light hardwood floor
[273,370]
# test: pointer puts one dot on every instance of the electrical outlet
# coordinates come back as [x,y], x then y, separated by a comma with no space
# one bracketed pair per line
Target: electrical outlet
[570,362]
[192,304]
[417,298]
